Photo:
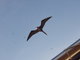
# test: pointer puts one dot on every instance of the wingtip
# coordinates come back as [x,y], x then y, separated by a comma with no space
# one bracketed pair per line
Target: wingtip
[50,16]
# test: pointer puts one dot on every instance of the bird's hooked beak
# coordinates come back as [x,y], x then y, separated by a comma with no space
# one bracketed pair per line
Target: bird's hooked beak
[37,27]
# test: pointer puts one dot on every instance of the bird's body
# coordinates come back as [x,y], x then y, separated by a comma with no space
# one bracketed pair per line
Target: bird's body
[39,29]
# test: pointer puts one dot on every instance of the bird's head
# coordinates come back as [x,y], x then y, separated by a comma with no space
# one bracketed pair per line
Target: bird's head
[37,27]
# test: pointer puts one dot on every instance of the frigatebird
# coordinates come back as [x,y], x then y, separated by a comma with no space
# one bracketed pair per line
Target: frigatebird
[39,29]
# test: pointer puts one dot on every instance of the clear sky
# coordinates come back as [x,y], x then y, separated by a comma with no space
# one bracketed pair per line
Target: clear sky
[19,17]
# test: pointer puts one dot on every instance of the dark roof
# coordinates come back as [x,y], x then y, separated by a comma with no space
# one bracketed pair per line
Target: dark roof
[70,48]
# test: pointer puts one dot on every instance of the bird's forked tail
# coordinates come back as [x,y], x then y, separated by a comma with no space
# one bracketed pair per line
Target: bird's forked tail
[44,32]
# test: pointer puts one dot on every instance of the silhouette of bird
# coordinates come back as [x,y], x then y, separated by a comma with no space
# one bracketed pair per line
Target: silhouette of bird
[39,29]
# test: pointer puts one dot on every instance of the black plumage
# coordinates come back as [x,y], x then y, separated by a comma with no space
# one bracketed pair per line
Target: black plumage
[39,29]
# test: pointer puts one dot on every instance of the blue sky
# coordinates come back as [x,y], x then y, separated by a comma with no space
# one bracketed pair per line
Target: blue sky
[19,17]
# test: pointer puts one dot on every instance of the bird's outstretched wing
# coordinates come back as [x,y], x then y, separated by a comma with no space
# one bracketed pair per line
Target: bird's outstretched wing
[32,33]
[44,21]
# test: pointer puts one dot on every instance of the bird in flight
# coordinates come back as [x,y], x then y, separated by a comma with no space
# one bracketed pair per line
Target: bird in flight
[39,29]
